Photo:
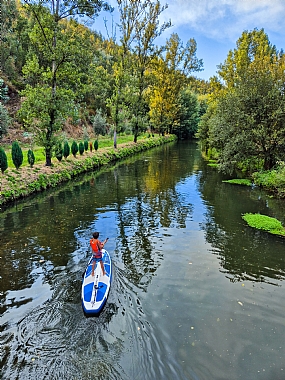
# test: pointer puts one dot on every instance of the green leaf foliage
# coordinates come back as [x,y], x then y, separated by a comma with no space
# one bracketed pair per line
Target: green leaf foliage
[31,158]
[58,151]
[66,149]
[266,223]
[3,160]
[245,122]
[17,154]
[74,148]
[244,182]
[99,123]
[81,148]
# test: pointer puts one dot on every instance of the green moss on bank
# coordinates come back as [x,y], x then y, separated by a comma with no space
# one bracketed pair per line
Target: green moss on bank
[30,180]
[265,223]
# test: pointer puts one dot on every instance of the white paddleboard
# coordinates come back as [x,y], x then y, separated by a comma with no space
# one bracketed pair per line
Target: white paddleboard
[95,289]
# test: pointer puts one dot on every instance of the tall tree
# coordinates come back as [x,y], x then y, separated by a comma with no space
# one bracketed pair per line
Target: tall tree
[139,27]
[247,126]
[4,116]
[172,74]
[49,32]
[189,114]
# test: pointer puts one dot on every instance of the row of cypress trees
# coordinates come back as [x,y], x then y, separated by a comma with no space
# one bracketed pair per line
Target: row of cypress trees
[60,152]
[64,151]
[17,157]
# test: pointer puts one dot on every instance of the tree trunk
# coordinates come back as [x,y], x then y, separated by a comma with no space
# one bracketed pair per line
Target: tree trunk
[268,161]
[48,147]
[115,139]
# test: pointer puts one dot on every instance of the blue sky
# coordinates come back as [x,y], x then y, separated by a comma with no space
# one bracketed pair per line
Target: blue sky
[217,24]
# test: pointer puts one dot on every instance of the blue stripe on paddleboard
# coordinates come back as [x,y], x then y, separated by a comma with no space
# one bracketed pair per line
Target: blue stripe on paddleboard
[101,292]
[88,292]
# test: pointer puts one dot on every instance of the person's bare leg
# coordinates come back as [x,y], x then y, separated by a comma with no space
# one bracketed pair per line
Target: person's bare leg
[103,268]
[93,266]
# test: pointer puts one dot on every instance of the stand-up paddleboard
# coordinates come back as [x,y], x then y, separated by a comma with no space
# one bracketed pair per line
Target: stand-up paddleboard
[95,289]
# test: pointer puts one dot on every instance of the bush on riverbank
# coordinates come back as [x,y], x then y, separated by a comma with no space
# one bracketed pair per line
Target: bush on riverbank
[272,180]
[16,184]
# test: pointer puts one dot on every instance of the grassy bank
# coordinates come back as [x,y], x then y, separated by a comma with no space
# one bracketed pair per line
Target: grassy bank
[16,184]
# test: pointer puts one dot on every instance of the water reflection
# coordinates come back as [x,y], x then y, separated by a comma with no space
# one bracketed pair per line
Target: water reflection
[45,243]
[169,301]
[244,253]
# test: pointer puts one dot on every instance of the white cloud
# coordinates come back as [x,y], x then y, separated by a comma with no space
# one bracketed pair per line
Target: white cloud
[226,19]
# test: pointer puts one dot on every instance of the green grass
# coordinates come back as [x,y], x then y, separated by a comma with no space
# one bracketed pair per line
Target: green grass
[244,182]
[265,223]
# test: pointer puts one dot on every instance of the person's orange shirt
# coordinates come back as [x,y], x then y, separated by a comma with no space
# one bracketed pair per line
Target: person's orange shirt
[96,245]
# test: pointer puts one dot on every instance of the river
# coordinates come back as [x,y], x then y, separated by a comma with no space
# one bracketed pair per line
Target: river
[196,294]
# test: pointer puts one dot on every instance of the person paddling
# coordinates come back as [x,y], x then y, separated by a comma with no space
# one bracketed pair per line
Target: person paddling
[97,247]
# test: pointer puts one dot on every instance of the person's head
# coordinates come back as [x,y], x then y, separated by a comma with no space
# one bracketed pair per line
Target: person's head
[95,235]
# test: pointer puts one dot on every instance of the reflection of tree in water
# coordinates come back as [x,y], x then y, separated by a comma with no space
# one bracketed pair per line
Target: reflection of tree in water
[244,253]
[43,226]
[139,221]
[156,204]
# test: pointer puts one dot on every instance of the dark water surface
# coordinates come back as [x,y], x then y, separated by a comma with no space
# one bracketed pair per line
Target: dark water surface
[196,294]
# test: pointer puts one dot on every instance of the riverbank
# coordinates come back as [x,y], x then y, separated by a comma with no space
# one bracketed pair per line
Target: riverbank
[17,184]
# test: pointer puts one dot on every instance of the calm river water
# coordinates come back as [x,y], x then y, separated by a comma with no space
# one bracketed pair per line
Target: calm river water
[196,294]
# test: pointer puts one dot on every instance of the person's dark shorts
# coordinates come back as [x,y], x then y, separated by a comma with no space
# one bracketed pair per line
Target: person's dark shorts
[97,259]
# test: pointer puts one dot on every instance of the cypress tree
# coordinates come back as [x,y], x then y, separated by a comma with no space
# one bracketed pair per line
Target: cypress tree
[58,151]
[74,148]
[31,158]
[66,150]
[17,155]
[81,148]
[3,160]
[86,145]
[96,144]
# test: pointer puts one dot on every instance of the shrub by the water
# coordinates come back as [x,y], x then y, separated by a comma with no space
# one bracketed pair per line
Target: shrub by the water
[264,222]
[17,155]
[66,150]
[3,160]
[74,148]
[31,158]
[96,144]
[81,148]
